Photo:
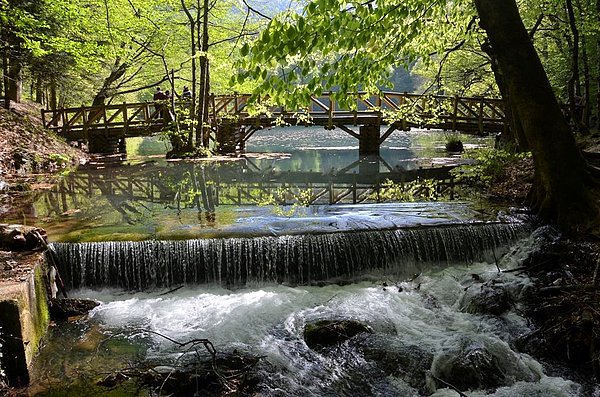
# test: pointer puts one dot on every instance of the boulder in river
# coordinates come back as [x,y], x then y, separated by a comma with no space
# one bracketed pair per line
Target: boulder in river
[326,333]
[487,363]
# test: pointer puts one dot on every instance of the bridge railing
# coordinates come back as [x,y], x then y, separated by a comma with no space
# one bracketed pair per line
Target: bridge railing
[409,109]
[388,108]
[119,117]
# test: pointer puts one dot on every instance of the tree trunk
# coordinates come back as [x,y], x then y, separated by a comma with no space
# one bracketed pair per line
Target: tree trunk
[559,194]
[193,23]
[6,81]
[598,68]
[105,92]
[513,135]
[15,74]
[585,112]
[39,90]
[202,130]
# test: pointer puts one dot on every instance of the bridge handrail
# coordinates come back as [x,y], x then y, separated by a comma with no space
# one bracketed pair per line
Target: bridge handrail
[474,109]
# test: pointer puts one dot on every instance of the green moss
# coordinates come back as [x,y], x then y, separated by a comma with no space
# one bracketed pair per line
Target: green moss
[42,314]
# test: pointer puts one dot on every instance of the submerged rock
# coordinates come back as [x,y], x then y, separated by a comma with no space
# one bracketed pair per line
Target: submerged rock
[226,374]
[325,333]
[481,364]
[397,358]
[486,299]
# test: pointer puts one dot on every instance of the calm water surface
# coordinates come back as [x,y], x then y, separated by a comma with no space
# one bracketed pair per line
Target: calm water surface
[287,173]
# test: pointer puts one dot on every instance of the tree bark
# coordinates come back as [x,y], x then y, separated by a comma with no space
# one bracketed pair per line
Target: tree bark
[6,81]
[585,112]
[202,135]
[598,68]
[513,135]
[559,194]
[118,70]
[15,74]
[574,50]
[193,23]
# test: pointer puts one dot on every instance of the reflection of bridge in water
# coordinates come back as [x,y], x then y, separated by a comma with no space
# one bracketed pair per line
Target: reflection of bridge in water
[205,186]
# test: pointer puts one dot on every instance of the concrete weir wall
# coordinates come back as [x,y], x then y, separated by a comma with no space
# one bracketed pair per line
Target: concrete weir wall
[24,319]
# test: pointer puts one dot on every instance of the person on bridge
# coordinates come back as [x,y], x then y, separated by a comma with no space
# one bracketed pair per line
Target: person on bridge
[159,95]
[186,94]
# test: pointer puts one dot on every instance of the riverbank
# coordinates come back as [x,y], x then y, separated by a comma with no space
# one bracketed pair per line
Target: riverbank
[30,155]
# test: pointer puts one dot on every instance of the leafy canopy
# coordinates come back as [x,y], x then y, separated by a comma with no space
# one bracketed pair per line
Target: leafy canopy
[349,46]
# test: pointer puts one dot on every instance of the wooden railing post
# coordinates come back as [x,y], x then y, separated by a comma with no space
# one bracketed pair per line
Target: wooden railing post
[125,118]
[403,99]
[379,102]
[331,107]
[85,121]
[481,115]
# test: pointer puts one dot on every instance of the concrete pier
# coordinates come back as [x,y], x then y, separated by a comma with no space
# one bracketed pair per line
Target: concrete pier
[227,137]
[368,143]
[24,319]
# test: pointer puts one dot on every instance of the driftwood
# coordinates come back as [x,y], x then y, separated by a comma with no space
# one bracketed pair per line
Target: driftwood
[21,237]
[222,374]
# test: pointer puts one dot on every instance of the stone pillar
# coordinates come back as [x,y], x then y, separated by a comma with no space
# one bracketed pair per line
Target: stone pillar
[227,137]
[368,142]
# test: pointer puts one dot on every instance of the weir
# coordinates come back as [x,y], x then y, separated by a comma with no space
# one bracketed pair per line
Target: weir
[288,259]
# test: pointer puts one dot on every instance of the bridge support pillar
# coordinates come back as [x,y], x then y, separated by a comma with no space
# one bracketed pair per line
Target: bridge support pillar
[369,165]
[368,142]
[227,137]
[104,144]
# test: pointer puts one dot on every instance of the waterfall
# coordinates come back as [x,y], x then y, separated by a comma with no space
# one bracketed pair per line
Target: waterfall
[289,259]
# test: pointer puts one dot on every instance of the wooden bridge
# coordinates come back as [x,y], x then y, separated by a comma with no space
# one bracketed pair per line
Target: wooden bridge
[233,123]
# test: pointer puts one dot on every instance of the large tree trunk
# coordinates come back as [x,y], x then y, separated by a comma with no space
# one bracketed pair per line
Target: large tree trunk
[105,92]
[513,135]
[193,24]
[559,194]
[598,68]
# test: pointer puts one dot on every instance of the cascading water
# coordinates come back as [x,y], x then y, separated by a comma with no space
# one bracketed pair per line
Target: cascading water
[290,259]
[421,333]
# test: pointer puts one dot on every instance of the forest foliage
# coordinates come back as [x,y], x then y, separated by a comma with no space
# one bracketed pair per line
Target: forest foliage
[64,53]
